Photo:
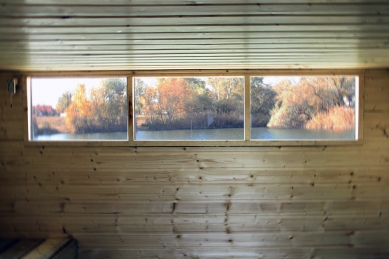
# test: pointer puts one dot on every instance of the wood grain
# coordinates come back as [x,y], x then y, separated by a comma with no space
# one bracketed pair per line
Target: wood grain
[113,35]
[207,202]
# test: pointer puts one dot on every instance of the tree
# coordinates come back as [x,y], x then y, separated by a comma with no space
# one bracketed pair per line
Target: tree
[300,102]
[148,103]
[109,105]
[198,100]
[63,102]
[78,111]
[171,95]
[193,103]
[105,111]
[262,102]
[228,94]
[139,91]
[228,101]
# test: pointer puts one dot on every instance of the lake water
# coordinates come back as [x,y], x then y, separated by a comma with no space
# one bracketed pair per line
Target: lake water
[108,136]
[208,134]
[238,134]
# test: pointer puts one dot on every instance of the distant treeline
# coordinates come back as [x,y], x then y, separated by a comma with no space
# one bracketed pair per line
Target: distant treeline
[218,102]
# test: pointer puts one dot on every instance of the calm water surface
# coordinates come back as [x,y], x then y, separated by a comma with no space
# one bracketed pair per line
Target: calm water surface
[208,134]
[303,134]
[110,136]
[238,134]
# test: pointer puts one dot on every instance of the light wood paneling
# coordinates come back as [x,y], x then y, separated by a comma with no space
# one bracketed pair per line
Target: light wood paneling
[122,35]
[198,202]
[202,202]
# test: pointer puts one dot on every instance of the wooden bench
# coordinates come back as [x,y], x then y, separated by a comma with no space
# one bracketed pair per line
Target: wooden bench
[52,248]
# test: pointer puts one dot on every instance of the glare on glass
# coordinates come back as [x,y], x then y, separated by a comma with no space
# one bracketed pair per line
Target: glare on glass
[78,109]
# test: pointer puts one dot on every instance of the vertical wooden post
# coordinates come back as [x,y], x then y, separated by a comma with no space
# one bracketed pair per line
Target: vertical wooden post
[247,118]
[131,126]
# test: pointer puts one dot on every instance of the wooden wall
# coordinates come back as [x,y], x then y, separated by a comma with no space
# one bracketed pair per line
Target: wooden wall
[253,202]
[50,35]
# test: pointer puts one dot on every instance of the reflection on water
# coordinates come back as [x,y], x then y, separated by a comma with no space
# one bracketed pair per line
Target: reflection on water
[237,134]
[107,136]
[301,134]
[208,134]
[198,134]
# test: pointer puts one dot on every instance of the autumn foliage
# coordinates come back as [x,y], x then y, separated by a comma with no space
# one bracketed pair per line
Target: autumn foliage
[186,103]
[103,110]
[314,103]
[336,118]
[218,102]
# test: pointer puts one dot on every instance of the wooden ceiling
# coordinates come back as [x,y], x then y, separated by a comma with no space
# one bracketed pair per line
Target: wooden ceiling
[198,34]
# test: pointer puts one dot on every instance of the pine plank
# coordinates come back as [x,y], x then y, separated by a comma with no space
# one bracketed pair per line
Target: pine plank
[192,10]
[248,253]
[176,2]
[47,249]
[234,33]
[21,248]
[226,207]
[190,20]
[193,223]
[291,239]
[268,29]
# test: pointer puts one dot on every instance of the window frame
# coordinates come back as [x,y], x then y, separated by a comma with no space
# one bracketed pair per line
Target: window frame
[130,75]
[28,96]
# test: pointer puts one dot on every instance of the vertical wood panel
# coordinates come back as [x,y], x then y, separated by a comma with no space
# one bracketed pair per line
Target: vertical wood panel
[204,202]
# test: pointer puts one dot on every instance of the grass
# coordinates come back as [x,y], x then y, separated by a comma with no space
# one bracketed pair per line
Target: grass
[53,122]
[337,118]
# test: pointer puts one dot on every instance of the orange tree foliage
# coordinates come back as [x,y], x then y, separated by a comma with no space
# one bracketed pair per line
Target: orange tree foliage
[300,102]
[78,111]
[148,103]
[218,102]
[172,93]
[183,103]
[106,109]
[336,118]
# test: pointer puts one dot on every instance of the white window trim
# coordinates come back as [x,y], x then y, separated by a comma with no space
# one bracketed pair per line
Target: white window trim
[187,73]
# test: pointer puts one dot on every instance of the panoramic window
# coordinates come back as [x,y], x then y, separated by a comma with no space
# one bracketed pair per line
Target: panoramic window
[200,110]
[189,108]
[304,107]
[78,109]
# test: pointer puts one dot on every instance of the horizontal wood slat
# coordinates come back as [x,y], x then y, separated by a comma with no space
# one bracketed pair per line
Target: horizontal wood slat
[176,2]
[248,253]
[198,202]
[193,10]
[195,223]
[269,29]
[195,21]
[37,27]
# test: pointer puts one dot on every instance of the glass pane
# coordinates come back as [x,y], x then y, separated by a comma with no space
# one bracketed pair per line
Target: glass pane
[304,108]
[189,108]
[79,109]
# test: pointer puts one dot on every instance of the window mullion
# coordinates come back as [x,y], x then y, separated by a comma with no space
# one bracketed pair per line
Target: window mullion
[247,119]
[130,94]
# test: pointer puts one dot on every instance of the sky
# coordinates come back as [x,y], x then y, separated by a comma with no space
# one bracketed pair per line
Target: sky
[269,80]
[46,91]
